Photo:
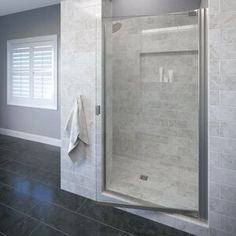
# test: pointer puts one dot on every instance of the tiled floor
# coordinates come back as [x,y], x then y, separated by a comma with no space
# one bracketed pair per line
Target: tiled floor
[31,202]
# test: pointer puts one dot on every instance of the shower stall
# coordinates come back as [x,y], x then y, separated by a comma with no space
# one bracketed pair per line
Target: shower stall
[154,111]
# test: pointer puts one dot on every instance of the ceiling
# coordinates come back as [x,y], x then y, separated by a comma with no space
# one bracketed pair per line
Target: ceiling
[13,6]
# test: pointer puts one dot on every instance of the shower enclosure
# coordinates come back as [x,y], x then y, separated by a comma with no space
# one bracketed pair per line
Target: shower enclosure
[154,112]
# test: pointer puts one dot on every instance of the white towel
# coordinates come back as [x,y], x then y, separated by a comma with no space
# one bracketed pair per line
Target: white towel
[76,127]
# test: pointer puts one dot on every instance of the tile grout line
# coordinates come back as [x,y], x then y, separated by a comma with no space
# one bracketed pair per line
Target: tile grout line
[84,216]
[36,227]
[50,226]
[29,166]
[45,201]
[76,211]
[27,216]
[26,176]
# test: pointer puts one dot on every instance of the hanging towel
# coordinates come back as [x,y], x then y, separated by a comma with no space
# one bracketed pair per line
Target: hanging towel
[76,126]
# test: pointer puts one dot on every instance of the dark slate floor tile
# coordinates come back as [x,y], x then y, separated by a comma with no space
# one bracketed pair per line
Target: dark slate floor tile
[126,222]
[8,155]
[67,200]
[2,161]
[41,192]
[4,156]
[45,177]
[71,223]
[6,142]
[21,145]
[16,168]
[12,179]
[13,223]
[15,199]
[13,146]
[56,196]
[31,172]
[43,162]
[44,230]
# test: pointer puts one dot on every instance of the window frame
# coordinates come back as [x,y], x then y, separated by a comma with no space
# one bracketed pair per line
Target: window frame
[50,104]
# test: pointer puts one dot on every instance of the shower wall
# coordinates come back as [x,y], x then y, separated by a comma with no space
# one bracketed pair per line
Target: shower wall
[80,54]
[155,118]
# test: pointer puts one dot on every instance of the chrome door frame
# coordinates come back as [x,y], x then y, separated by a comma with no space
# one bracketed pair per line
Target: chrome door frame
[120,200]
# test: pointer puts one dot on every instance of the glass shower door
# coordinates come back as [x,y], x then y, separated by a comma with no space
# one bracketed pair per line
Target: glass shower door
[152,105]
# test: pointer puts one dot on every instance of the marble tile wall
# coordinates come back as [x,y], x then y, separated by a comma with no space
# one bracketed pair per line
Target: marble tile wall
[80,21]
[222,111]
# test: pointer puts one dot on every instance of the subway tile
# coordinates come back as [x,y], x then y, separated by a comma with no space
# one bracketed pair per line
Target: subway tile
[227,98]
[214,83]
[228,193]
[214,97]
[228,51]
[214,191]
[214,6]
[228,5]
[214,220]
[222,20]
[217,232]
[223,176]
[227,83]
[227,129]
[224,114]
[228,67]
[228,224]
[213,114]
[228,35]
[214,159]
[222,145]
[223,207]
[214,128]
[215,37]
[228,161]
[222,51]
[214,68]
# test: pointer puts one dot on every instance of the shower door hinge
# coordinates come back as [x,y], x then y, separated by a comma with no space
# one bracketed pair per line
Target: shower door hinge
[98,110]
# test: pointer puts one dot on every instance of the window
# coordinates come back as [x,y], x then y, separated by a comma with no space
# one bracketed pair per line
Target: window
[32,72]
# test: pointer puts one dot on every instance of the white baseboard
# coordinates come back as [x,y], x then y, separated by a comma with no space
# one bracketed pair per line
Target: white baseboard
[31,137]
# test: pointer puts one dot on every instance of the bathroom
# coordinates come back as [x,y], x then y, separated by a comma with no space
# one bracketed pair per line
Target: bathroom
[117,117]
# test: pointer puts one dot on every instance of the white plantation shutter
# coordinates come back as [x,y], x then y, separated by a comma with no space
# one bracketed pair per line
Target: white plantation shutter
[32,72]
[20,72]
[43,71]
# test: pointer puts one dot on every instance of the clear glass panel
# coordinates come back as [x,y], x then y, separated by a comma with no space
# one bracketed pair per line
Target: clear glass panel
[151,109]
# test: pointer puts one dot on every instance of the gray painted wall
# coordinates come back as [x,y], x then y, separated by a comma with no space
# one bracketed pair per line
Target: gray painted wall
[39,22]
[152,7]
